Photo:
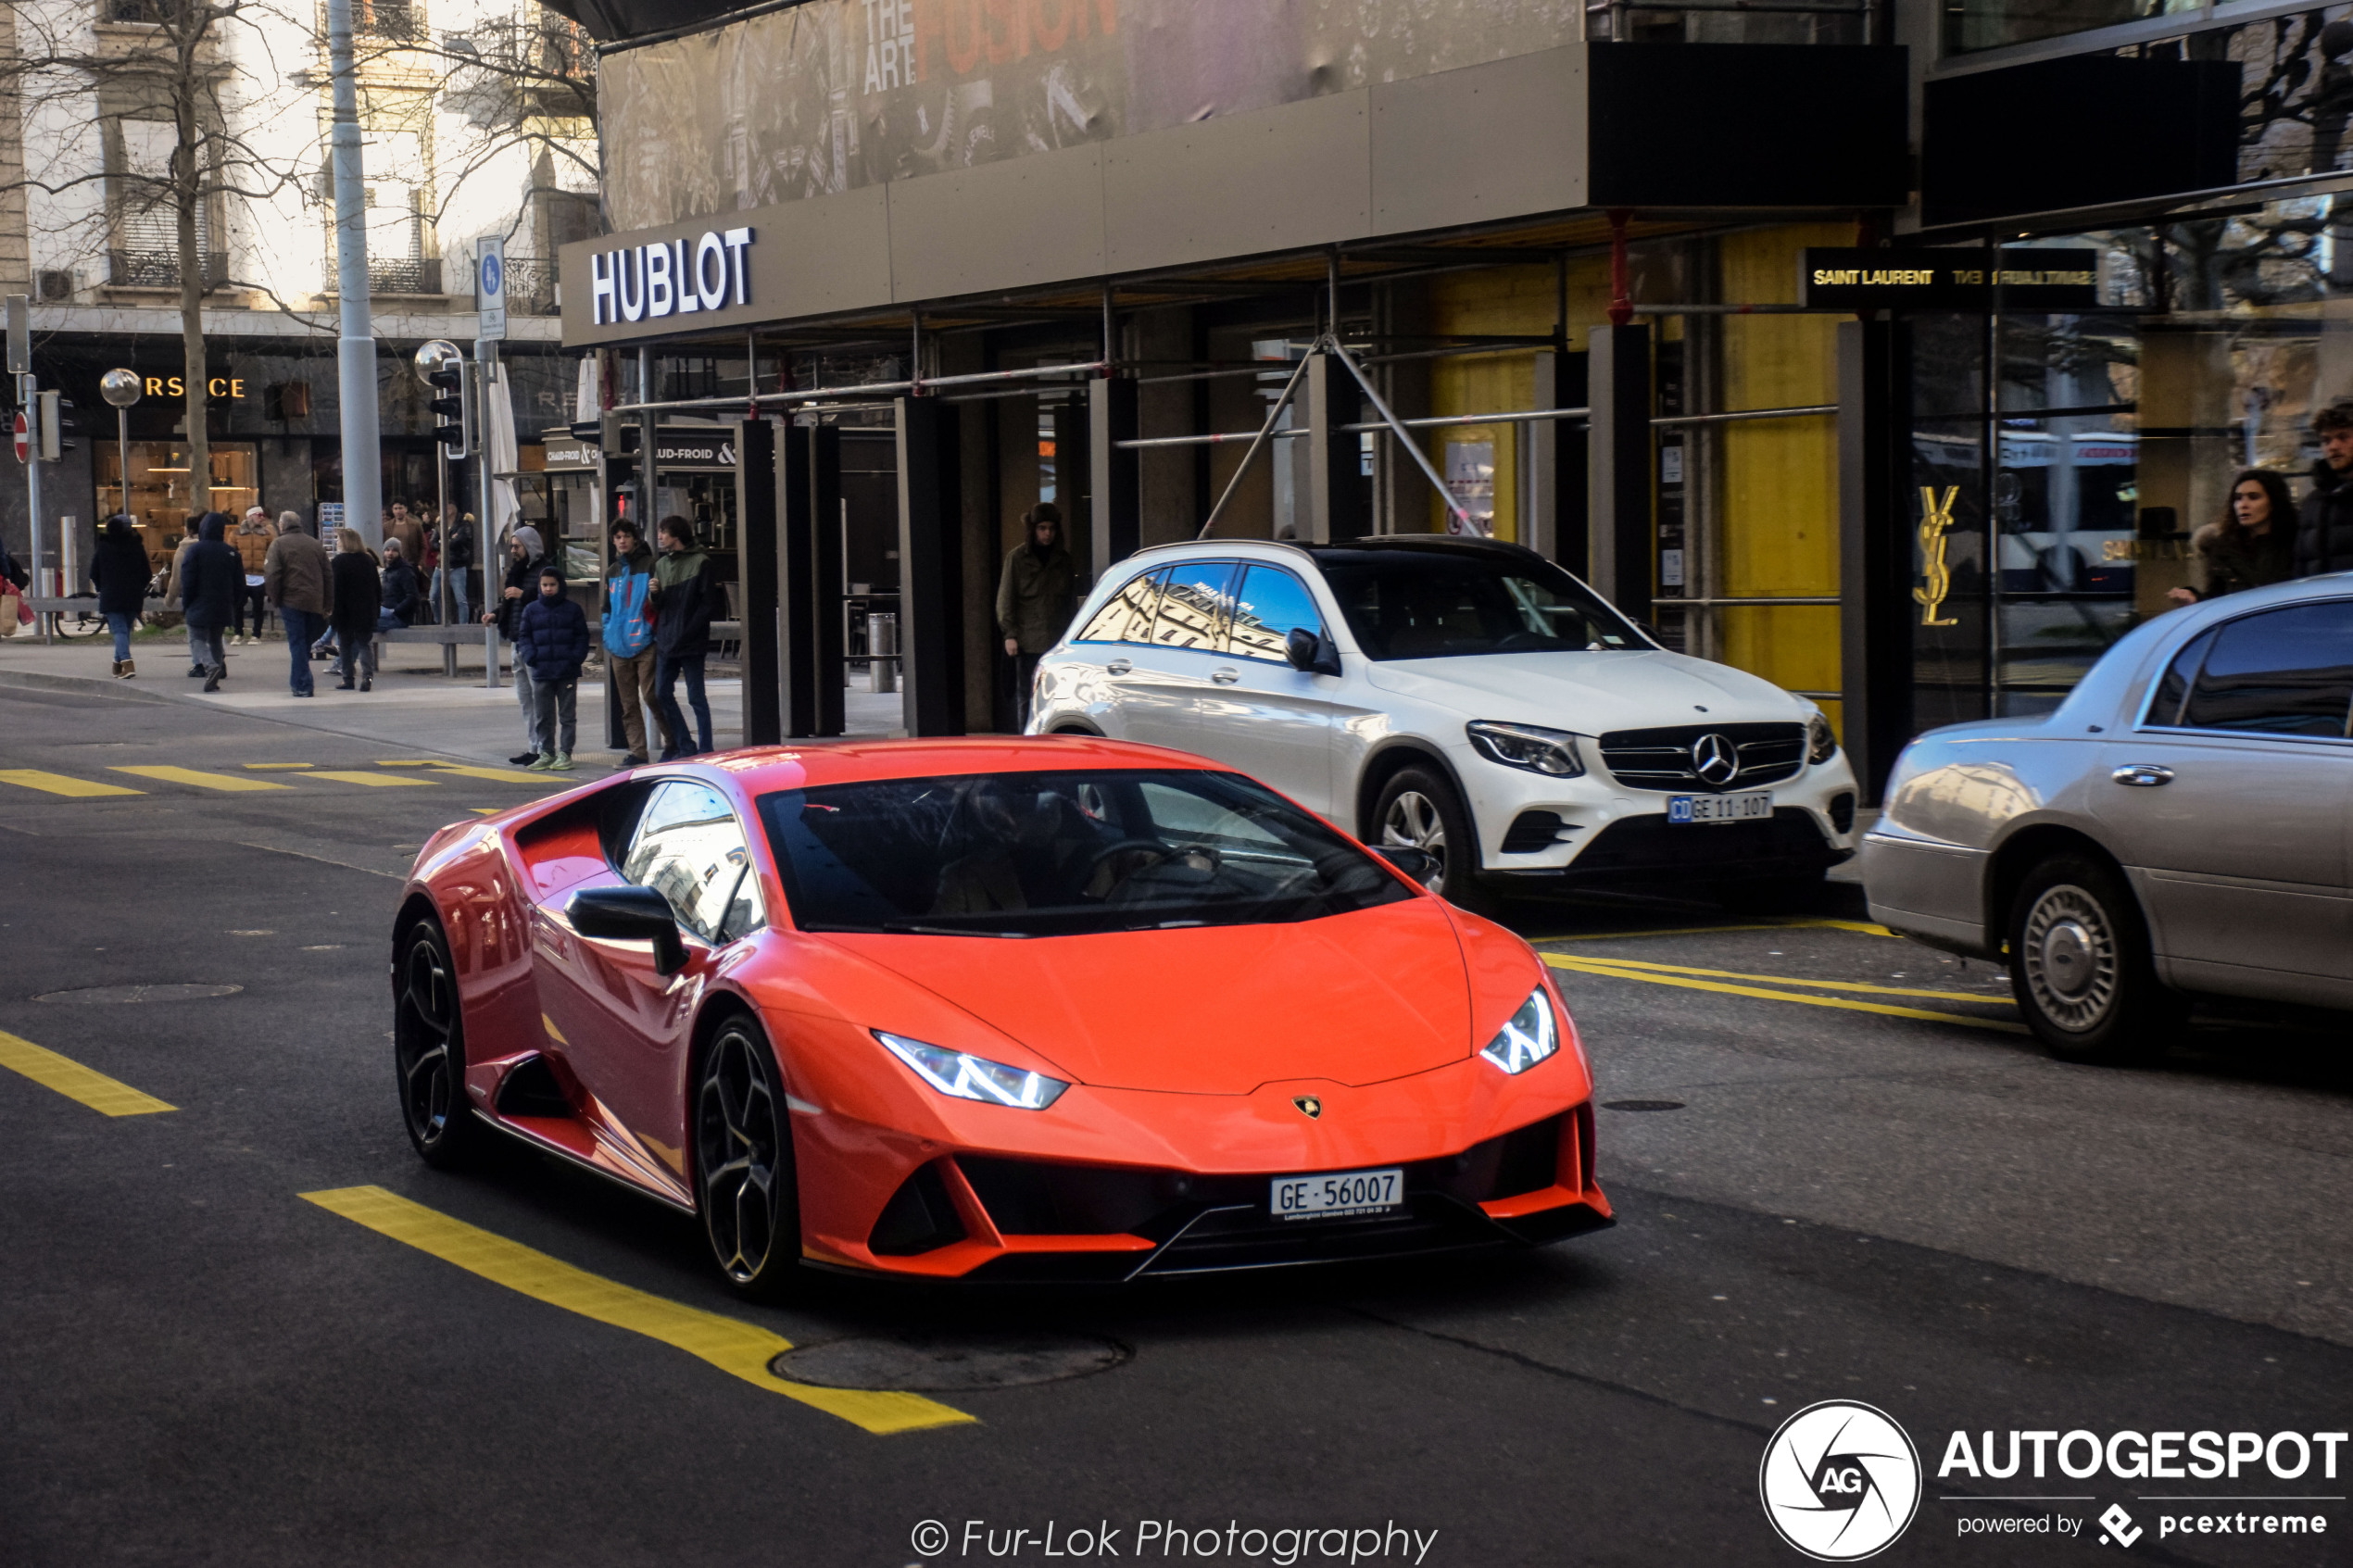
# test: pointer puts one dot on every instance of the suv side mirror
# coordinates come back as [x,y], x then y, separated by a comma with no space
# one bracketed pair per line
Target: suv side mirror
[1419,864]
[1311,652]
[630,914]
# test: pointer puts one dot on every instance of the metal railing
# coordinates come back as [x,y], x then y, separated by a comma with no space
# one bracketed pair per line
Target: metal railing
[404,274]
[531,285]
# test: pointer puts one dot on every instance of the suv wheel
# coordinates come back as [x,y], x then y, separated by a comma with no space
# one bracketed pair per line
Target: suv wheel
[2079,964]
[1419,809]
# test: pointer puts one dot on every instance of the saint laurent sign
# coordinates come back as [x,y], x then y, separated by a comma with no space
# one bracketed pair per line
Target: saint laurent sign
[2018,279]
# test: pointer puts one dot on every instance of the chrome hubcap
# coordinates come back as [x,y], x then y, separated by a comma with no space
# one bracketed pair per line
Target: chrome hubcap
[736,1146]
[1412,822]
[424,1029]
[2071,954]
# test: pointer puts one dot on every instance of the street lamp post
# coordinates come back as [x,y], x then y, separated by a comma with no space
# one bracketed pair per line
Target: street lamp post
[121,389]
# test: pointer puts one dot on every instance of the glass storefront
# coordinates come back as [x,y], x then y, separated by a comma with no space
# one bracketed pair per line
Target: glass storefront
[158,496]
[2061,463]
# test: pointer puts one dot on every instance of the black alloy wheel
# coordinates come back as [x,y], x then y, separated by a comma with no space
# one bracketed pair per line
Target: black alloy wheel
[1419,808]
[429,1049]
[744,1179]
[2081,967]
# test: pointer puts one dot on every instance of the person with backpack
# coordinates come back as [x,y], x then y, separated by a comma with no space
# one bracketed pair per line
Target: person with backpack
[211,574]
[554,643]
[630,655]
[687,597]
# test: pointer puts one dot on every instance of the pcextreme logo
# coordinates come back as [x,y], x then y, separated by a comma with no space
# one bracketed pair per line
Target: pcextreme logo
[1840,1481]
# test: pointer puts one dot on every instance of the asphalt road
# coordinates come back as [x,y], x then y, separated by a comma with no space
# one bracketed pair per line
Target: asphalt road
[1843,1202]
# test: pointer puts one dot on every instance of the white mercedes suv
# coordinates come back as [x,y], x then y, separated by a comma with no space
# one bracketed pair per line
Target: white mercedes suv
[1463,697]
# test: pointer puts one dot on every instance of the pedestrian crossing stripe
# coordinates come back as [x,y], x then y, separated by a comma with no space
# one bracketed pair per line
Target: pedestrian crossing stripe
[61,784]
[349,776]
[258,767]
[227,783]
[106,1096]
[503,775]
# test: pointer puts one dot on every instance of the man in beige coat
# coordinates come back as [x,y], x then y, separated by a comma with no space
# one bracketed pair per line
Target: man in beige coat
[294,578]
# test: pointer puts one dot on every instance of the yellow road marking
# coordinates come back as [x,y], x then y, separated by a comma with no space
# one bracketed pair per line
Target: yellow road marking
[1616,971]
[69,1078]
[504,775]
[353,776]
[1819,984]
[733,1345]
[202,780]
[1865,927]
[403,761]
[258,767]
[61,784]
[485,811]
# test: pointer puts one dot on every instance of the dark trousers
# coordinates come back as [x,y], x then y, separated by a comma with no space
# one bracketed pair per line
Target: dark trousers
[667,669]
[248,597]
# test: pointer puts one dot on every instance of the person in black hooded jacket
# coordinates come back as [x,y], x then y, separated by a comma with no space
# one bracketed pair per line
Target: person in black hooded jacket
[211,574]
[527,557]
[120,573]
[359,600]
[2325,533]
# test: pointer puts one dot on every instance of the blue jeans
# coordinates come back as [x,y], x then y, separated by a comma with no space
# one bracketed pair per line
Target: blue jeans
[119,624]
[303,628]
[667,669]
[387,620]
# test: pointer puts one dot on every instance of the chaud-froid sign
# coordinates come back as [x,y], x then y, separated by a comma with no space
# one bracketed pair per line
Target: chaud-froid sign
[2021,278]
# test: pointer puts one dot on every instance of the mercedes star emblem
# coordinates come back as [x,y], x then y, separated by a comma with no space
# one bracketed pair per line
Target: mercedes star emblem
[1714,759]
[1309,1106]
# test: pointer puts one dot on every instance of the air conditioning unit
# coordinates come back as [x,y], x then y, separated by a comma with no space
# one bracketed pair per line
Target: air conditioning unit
[56,285]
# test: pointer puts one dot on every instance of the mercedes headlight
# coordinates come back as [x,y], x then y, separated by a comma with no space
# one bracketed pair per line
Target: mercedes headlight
[1527,1036]
[974,1077]
[1822,744]
[1550,752]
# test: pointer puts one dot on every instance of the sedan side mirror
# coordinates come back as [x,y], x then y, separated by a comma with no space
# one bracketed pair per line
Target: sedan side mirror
[1419,864]
[1311,652]
[630,914]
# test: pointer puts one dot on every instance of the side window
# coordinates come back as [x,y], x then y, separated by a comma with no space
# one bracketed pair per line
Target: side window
[2283,672]
[689,849]
[1194,605]
[1126,616]
[2165,708]
[1271,603]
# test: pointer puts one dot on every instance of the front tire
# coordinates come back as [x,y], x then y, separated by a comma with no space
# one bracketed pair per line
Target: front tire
[744,1183]
[429,1050]
[1419,809]
[2081,968]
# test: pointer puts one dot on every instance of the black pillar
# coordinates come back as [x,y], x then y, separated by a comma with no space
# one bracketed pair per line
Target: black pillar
[796,559]
[1875,554]
[756,532]
[1116,484]
[1618,466]
[1556,452]
[823,597]
[931,636]
[1337,498]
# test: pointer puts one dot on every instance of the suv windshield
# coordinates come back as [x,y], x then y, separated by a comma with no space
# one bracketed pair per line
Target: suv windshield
[1428,604]
[1054,853]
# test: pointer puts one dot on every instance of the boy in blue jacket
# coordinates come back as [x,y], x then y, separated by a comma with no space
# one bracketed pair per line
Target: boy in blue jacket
[552,638]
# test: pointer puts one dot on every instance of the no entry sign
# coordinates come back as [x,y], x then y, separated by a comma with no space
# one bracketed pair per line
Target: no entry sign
[24,439]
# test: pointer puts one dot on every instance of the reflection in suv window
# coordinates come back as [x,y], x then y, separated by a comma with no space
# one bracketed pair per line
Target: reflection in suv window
[1425,604]
[1052,854]
[1126,616]
[2283,672]
[1193,606]
[1271,603]
[689,849]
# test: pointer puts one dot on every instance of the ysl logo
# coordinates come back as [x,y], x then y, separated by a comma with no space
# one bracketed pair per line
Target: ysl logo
[1936,516]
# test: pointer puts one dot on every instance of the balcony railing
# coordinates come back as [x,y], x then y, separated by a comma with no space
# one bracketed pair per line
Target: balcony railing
[145,268]
[531,286]
[404,274]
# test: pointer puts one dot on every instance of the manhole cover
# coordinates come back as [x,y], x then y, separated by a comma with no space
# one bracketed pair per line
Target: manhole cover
[96,994]
[1642,1105]
[949,1363]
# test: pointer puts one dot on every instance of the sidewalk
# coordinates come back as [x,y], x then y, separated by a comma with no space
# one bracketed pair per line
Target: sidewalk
[414,707]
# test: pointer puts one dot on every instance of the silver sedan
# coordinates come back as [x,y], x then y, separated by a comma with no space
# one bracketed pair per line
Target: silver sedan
[2179,825]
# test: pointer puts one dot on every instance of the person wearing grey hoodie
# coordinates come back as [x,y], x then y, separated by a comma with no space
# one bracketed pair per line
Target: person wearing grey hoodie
[526,556]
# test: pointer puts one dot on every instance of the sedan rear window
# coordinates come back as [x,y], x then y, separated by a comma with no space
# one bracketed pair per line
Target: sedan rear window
[1420,604]
[1052,853]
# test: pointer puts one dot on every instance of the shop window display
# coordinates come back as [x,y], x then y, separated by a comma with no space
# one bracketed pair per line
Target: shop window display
[161,490]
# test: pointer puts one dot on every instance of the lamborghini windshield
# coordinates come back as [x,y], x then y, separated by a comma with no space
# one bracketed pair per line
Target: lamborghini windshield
[1051,854]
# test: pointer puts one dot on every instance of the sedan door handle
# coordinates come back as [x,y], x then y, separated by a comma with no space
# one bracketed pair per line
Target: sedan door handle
[1224,677]
[1117,666]
[2147,775]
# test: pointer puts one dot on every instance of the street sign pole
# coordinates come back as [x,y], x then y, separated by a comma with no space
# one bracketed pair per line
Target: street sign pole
[19,319]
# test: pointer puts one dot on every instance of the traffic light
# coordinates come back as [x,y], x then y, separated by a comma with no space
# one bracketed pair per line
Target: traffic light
[59,427]
[453,403]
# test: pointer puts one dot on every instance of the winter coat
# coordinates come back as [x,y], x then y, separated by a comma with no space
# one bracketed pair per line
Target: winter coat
[179,559]
[121,572]
[524,574]
[210,575]
[687,597]
[294,575]
[2232,561]
[411,535]
[253,540]
[403,591]
[1034,596]
[2325,538]
[458,548]
[621,629]
[554,640]
[357,595]
[13,574]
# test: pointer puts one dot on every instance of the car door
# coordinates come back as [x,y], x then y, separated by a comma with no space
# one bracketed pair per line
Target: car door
[1267,718]
[2232,795]
[1102,655]
[1169,671]
[626,1025]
